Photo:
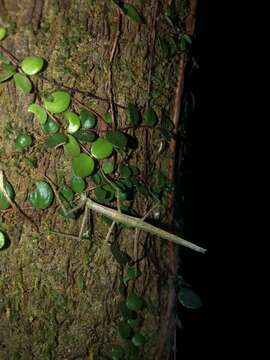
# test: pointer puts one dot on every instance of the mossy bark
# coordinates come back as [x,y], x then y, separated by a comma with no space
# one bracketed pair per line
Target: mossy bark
[58,296]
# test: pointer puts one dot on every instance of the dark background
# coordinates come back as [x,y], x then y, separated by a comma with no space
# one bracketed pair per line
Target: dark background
[204,331]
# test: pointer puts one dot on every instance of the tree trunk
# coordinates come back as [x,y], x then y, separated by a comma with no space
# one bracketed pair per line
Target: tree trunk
[59,296]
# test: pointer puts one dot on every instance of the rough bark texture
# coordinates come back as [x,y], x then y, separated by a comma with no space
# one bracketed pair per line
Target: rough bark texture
[58,297]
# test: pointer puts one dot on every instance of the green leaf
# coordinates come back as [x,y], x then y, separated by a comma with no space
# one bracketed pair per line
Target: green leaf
[101,149]
[187,38]
[57,101]
[22,83]
[32,65]
[134,114]
[56,140]
[23,141]
[125,171]
[125,331]
[131,274]
[39,112]
[42,197]
[107,117]
[135,323]
[138,340]
[6,72]
[117,139]
[77,184]
[135,302]
[97,178]
[72,148]
[132,13]
[121,257]
[3,33]
[2,235]
[125,312]
[4,203]
[135,170]
[66,192]
[83,165]
[189,299]
[50,126]
[132,351]
[104,194]
[150,118]
[85,136]
[74,122]
[117,352]
[107,167]
[166,128]
[88,119]
[100,194]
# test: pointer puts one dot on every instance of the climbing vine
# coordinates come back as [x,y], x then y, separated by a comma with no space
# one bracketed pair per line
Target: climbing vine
[103,177]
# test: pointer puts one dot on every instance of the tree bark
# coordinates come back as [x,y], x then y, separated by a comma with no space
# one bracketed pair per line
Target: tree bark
[58,295]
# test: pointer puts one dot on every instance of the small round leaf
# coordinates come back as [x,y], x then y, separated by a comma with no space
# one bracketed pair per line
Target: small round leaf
[138,340]
[74,122]
[135,323]
[72,148]
[125,312]
[66,192]
[189,299]
[50,126]
[118,352]
[107,167]
[117,139]
[107,118]
[83,165]
[4,203]
[135,302]
[125,331]
[134,114]
[39,112]
[2,240]
[125,171]
[101,148]
[57,101]
[77,184]
[31,65]
[23,141]
[6,72]
[56,140]
[85,136]
[150,118]
[3,33]
[22,83]
[42,197]
[88,119]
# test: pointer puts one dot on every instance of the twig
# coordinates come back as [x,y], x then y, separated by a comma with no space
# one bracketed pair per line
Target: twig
[11,57]
[85,214]
[88,94]
[140,224]
[135,249]
[110,232]
[65,235]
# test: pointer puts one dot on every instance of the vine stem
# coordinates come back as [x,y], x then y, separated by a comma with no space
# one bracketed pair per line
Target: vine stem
[112,56]
[140,224]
